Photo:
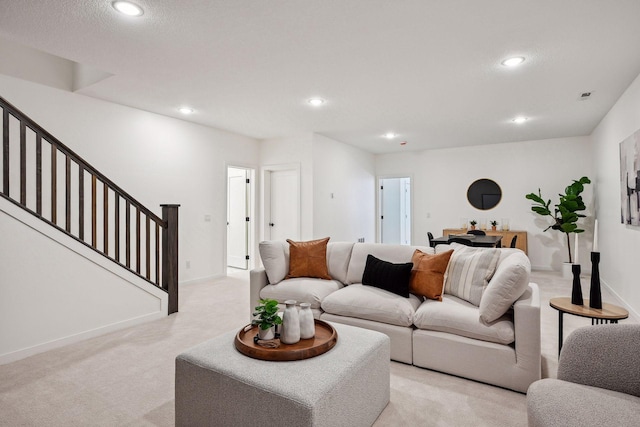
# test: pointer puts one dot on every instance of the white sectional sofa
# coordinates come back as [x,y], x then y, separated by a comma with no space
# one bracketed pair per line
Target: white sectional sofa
[448,336]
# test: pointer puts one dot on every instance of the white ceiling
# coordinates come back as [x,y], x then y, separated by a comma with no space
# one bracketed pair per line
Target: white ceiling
[428,70]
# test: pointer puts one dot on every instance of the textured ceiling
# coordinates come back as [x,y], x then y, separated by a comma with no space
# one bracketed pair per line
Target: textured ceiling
[428,70]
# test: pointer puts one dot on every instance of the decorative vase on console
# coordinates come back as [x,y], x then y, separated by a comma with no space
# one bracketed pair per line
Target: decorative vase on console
[307,323]
[291,323]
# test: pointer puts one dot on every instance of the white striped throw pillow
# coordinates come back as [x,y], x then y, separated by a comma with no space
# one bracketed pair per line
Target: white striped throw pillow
[469,272]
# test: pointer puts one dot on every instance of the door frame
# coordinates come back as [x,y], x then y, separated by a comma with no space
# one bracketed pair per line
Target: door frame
[379,178]
[253,223]
[265,195]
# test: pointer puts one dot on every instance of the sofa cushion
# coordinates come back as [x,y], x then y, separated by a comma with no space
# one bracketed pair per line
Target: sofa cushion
[308,259]
[301,289]
[388,276]
[338,256]
[427,275]
[469,272]
[275,258]
[507,285]
[369,303]
[457,316]
[390,253]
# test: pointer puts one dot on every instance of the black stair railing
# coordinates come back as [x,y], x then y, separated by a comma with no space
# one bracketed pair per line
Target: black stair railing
[43,176]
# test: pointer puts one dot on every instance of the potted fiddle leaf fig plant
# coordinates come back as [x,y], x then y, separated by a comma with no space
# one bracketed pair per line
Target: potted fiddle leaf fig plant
[565,214]
[266,317]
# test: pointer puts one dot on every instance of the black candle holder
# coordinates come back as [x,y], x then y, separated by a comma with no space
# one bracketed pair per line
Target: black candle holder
[595,295]
[576,292]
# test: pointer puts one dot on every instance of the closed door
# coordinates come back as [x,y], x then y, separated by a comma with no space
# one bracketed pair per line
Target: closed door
[237,219]
[284,205]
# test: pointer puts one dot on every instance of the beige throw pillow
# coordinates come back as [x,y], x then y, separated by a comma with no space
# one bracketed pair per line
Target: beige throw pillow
[469,272]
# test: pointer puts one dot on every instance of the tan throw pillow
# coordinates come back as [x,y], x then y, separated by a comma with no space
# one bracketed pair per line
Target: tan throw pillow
[427,276]
[308,259]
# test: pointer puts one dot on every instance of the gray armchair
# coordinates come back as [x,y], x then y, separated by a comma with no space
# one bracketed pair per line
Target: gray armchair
[598,381]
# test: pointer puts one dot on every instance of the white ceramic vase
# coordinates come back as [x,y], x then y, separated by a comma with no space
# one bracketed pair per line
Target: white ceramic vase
[307,324]
[266,334]
[291,323]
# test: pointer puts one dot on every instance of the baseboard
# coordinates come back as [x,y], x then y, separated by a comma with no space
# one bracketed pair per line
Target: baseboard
[72,339]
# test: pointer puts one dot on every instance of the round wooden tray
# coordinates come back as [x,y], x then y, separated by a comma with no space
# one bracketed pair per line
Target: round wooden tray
[324,340]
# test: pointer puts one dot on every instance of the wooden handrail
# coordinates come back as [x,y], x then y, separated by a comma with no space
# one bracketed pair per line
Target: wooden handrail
[162,273]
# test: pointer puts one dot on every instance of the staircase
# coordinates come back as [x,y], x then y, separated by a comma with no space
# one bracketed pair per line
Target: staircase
[47,179]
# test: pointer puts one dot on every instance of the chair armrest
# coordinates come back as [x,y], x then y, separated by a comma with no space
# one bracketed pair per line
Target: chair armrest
[605,356]
[526,320]
[257,280]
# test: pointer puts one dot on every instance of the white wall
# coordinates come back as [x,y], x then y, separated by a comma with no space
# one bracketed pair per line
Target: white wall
[154,158]
[441,178]
[348,174]
[619,244]
[56,290]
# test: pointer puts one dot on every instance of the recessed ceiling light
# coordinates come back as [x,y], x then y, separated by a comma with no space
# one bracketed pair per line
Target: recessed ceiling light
[127,8]
[185,110]
[513,62]
[520,119]
[390,135]
[316,102]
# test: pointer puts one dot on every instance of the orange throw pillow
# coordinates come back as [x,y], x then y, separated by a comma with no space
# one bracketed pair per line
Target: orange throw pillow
[308,259]
[427,275]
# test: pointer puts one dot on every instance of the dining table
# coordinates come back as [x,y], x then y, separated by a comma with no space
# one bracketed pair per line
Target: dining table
[474,240]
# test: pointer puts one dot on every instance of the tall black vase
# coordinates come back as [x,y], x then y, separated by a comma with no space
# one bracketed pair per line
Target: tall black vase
[595,296]
[576,292]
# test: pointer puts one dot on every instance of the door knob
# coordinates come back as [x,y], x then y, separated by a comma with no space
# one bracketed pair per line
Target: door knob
[271,224]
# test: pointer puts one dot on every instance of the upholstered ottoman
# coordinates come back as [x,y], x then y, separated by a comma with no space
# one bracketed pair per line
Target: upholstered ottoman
[348,386]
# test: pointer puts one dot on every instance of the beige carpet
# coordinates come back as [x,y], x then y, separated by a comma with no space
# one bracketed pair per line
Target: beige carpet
[126,378]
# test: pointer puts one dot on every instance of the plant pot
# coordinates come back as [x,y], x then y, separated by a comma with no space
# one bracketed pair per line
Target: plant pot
[473,227]
[493,228]
[266,334]
[566,270]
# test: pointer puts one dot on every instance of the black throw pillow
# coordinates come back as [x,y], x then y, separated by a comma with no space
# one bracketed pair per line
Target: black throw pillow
[388,276]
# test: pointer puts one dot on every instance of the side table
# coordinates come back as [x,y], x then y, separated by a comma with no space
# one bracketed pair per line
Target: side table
[609,313]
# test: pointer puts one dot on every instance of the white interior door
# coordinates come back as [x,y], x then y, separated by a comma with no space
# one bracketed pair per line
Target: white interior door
[284,205]
[395,210]
[237,214]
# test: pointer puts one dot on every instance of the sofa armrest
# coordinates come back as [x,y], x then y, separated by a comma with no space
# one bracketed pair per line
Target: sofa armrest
[605,356]
[526,319]
[257,280]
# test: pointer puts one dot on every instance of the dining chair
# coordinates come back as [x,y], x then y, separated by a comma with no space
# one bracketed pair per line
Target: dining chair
[513,241]
[477,232]
[460,240]
[430,237]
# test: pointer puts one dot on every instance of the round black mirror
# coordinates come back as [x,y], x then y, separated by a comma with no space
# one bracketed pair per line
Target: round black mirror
[484,194]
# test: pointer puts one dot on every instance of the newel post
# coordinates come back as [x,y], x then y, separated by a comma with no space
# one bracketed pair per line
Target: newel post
[170,255]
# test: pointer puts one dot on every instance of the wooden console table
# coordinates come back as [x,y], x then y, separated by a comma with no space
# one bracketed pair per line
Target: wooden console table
[521,242]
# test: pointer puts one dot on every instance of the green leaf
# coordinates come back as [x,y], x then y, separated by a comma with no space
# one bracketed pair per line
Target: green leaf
[535,198]
[540,210]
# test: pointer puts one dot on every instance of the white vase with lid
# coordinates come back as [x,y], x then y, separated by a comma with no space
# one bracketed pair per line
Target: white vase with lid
[291,323]
[307,323]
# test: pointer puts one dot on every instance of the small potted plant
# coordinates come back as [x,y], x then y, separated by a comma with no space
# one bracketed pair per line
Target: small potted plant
[473,223]
[494,224]
[267,318]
